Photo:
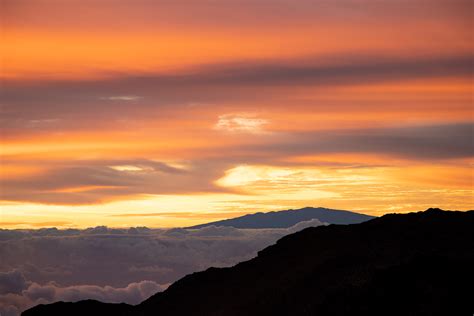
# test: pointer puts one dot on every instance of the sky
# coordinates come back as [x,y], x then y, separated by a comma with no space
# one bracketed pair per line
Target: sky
[173,113]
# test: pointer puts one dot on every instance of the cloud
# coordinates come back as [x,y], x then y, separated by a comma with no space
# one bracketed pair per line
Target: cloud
[241,123]
[12,282]
[75,104]
[302,225]
[94,181]
[133,293]
[103,263]
[428,142]
[217,231]
[122,98]
[13,303]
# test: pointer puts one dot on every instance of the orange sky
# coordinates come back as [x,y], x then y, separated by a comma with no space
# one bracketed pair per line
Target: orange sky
[160,113]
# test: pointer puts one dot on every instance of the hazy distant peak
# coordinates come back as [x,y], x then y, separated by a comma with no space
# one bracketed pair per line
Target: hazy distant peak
[291,217]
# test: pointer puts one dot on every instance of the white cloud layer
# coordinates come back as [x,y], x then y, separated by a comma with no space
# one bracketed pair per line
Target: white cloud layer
[116,265]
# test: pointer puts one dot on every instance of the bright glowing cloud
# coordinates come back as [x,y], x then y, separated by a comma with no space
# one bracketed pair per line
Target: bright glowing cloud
[127,168]
[241,123]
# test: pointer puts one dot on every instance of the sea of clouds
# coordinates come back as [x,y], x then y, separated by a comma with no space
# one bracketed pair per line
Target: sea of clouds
[116,265]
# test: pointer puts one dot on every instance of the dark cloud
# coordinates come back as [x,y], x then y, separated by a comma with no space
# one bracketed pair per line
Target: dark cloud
[83,182]
[342,69]
[55,105]
[445,141]
[12,282]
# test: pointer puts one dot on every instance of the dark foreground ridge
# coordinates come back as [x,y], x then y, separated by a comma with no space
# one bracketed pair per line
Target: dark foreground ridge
[411,264]
[288,218]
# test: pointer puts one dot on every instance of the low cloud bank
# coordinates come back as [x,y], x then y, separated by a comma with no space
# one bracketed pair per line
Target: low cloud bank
[13,303]
[116,265]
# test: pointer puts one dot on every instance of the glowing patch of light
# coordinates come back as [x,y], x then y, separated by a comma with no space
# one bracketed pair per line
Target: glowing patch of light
[241,123]
[126,168]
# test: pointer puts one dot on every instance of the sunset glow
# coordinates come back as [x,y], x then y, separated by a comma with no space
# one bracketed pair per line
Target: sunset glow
[139,113]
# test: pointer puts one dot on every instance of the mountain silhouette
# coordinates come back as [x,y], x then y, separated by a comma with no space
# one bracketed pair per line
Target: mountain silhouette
[288,218]
[398,264]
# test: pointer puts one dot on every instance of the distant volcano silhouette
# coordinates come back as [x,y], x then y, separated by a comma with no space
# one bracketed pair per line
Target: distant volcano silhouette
[288,218]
